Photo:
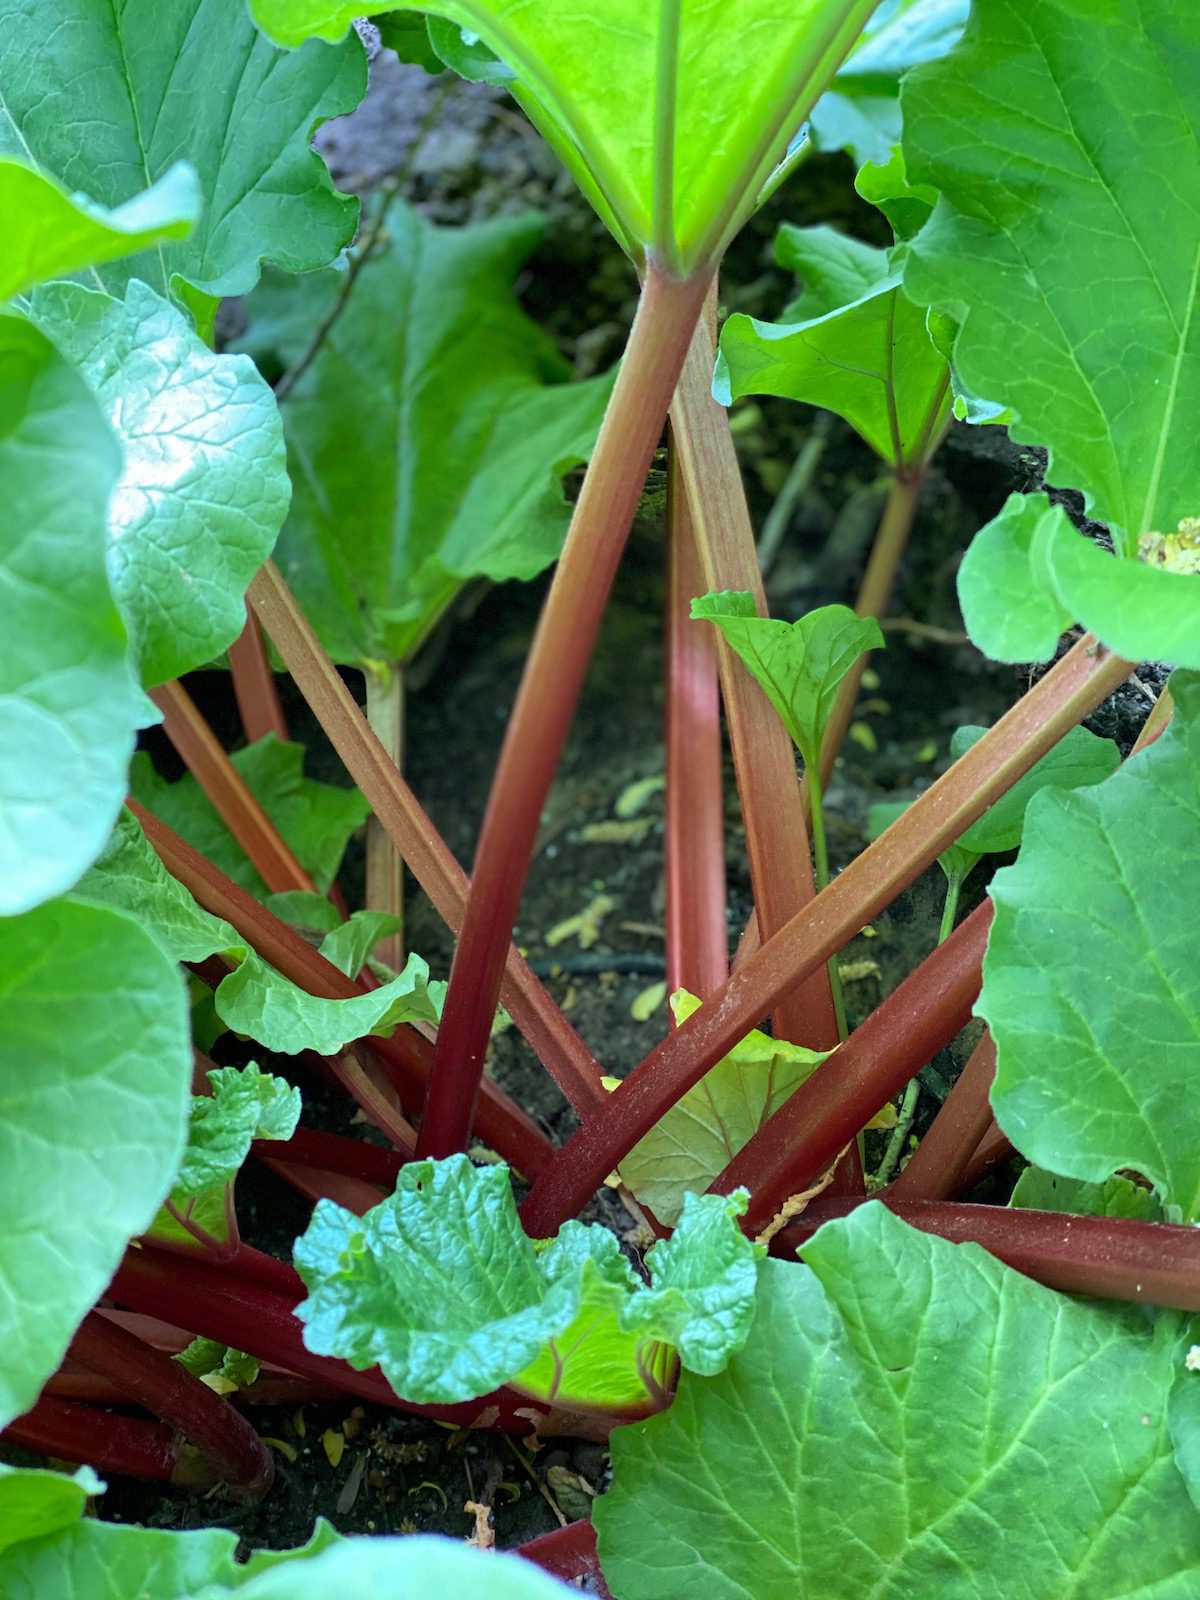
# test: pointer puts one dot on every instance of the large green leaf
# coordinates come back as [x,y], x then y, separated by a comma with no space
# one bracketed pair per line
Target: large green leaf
[862,350]
[254,999]
[1091,987]
[910,1418]
[1061,136]
[1029,574]
[429,437]
[35,1503]
[95,1073]
[441,1287]
[700,1135]
[314,819]
[49,232]
[106,97]
[203,489]
[671,116]
[69,701]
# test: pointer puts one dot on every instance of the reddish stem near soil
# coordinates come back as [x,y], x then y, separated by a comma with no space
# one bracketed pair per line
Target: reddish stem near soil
[70,1431]
[792,1148]
[254,685]
[167,1389]
[1108,1257]
[764,761]
[224,785]
[935,1168]
[334,1152]
[992,1150]
[249,1317]
[550,1035]
[550,685]
[697,946]
[568,1553]
[1071,689]
[406,1057]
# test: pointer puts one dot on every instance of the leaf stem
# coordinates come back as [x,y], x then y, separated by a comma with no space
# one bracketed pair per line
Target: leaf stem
[937,1164]
[568,1553]
[553,676]
[954,883]
[70,1431]
[385,869]
[666,105]
[254,686]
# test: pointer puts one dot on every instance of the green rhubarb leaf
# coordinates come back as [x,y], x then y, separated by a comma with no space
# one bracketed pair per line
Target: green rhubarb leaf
[869,357]
[315,820]
[407,33]
[203,488]
[431,361]
[35,1503]
[1079,760]
[1039,1190]
[254,999]
[860,111]
[69,701]
[406,1568]
[349,945]
[1028,575]
[799,665]
[1089,329]
[50,232]
[440,1286]
[300,908]
[223,1369]
[1090,986]
[907,206]
[94,1078]
[106,98]
[991,1437]
[670,117]
[700,1135]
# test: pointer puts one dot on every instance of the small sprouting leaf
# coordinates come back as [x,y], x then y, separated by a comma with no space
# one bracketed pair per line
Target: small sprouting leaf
[381,537]
[49,233]
[105,98]
[315,820]
[1039,1190]
[223,1369]
[701,1133]
[245,1104]
[94,1077]
[669,118]
[869,357]
[440,1286]
[69,702]
[1088,330]
[1090,987]
[800,665]
[349,945]
[203,487]
[967,1403]
[1029,574]
[254,999]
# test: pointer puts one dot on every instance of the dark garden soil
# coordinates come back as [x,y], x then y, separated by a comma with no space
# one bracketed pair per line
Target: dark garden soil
[465,153]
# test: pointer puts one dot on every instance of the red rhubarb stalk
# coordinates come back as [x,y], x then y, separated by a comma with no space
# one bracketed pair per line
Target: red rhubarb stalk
[254,685]
[69,1431]
[568,1552]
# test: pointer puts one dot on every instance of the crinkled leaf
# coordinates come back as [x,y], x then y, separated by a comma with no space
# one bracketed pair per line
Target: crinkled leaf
[860,111]
[869,359]
[95,1072]
[1091,987]
[431,362]
[254,999]
[669,118]
[1089,330]
[35,1503]
[988,1437]
[69,702]
[315,820]
[441,1287]
[107,97]
[1040,1190]
[49,232]
[223,1369]
[701,1133]
[245,1104]
[203,488]
[1028,575]
[799,665]
[349,945]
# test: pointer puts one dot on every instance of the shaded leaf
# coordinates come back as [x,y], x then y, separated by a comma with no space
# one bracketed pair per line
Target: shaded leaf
[429,437]
[106,98]
[1115,1197]
[984,1430]
[1090,984]
[69,702]
[203,487]
[349,945]
[315,820]
[1079,760]
[94,1078]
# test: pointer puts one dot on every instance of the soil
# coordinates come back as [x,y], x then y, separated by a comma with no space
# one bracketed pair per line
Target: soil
[463,153]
